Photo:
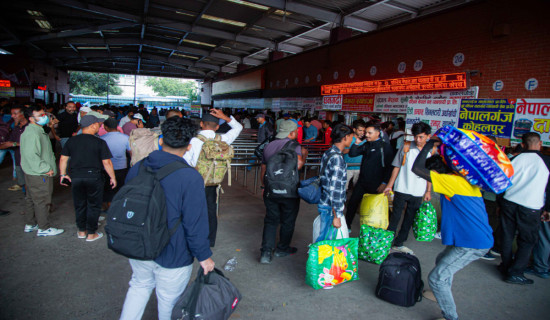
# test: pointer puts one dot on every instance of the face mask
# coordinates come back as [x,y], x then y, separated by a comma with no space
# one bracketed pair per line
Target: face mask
[44,120]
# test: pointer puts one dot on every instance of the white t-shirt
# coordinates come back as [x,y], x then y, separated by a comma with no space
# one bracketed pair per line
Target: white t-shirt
[407,181]
[529,181]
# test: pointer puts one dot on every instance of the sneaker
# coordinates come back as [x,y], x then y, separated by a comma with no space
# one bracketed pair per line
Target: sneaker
[101,218]
[543,275]
[30,228]
[289,251]
[15,187]
[99,236]
[438,235]
[403,249]
[488,256]
[518,280]
[266,257]
[494,253]
[49,232]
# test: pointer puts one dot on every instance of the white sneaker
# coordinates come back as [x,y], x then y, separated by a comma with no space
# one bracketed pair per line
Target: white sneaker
[101,218]
[30,228]
[49,232]
[438,235]
[403,249]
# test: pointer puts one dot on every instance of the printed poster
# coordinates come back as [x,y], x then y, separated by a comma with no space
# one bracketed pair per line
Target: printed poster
[332,102]
[435,112]
[358,102]
[532,115]
[491,117]
[397,102]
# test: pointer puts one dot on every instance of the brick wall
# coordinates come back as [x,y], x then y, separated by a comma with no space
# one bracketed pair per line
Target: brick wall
[503,40]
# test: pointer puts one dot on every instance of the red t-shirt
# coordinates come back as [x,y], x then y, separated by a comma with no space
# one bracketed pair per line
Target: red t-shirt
[328,139]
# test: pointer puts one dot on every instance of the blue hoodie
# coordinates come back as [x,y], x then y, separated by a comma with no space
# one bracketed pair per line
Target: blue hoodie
[185,198]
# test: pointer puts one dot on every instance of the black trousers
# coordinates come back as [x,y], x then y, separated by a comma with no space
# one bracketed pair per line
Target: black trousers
[354,202]
[108,191]
[211,199]
[527,223]
[87,198]
[399,202]
[281,211]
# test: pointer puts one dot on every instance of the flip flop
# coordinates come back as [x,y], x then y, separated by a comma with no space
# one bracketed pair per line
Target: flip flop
[99,236]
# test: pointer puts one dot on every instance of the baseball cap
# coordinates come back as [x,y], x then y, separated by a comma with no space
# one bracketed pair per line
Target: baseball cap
[286,115]
[260,115]
[138,116]
[109,113]
[88,120]
[286,127]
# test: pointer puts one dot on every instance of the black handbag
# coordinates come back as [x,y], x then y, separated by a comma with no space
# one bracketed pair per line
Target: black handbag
[209,297]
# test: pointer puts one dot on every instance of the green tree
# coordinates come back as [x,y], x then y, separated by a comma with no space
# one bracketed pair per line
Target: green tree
[93,84]
[173,87]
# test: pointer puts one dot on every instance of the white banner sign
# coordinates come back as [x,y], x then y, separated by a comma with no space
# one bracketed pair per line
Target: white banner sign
[435,112]
[397,102]
[332,102]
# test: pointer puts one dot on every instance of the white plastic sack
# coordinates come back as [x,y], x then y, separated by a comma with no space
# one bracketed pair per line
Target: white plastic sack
[343,232]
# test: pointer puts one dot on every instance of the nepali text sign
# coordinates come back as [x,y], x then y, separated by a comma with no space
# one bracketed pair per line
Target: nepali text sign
[397,102]
[435,112]
[487,116]
[332,102]
[532,115]
[451,81]
[358,102]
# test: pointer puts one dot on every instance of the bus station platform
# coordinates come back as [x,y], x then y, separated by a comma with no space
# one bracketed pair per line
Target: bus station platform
[63,277]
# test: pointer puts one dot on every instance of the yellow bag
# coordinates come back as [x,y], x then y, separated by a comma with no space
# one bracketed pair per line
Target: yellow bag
[374,210]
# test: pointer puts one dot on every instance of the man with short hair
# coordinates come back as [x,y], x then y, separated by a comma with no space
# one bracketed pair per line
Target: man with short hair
[465,229]
[265,130]
[375,168]
[170,272]
[13,143]
[68,123]
[332,173]
[358,127]
[310,131]
[281,211]
[127,117]
[327,127]
[86,156]
[522,207]
[38,164]
[136,121]
[119,145]
[173,113]
[410,190]
[209,125]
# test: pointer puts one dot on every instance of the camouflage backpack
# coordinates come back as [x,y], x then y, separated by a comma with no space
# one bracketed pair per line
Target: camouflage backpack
[214,160]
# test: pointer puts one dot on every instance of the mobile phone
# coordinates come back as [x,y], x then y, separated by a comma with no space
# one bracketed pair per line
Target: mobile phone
[66,181]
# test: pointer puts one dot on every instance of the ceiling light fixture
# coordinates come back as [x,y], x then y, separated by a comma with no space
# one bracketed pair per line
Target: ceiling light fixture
[223,20]
[199,43]
[250,4]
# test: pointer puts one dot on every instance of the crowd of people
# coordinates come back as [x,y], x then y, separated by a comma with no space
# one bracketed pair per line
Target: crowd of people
[88,149]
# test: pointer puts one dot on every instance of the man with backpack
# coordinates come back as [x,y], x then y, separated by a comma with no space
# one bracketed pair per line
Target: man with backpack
[465,229]
[185,217]
[282,158]
[410,190]
[209,124]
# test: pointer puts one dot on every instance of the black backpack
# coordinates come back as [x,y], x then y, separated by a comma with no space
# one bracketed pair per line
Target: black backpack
[259,150]
[400,280]
[209,297]
[136,220]
[281,176]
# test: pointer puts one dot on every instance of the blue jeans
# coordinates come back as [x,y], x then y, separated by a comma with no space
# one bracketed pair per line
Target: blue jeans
[447,263]
[326,222]
[541,253]
[3,154]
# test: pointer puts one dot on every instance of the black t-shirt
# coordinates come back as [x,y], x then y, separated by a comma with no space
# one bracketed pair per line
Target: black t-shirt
[68,123]
[86,152]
